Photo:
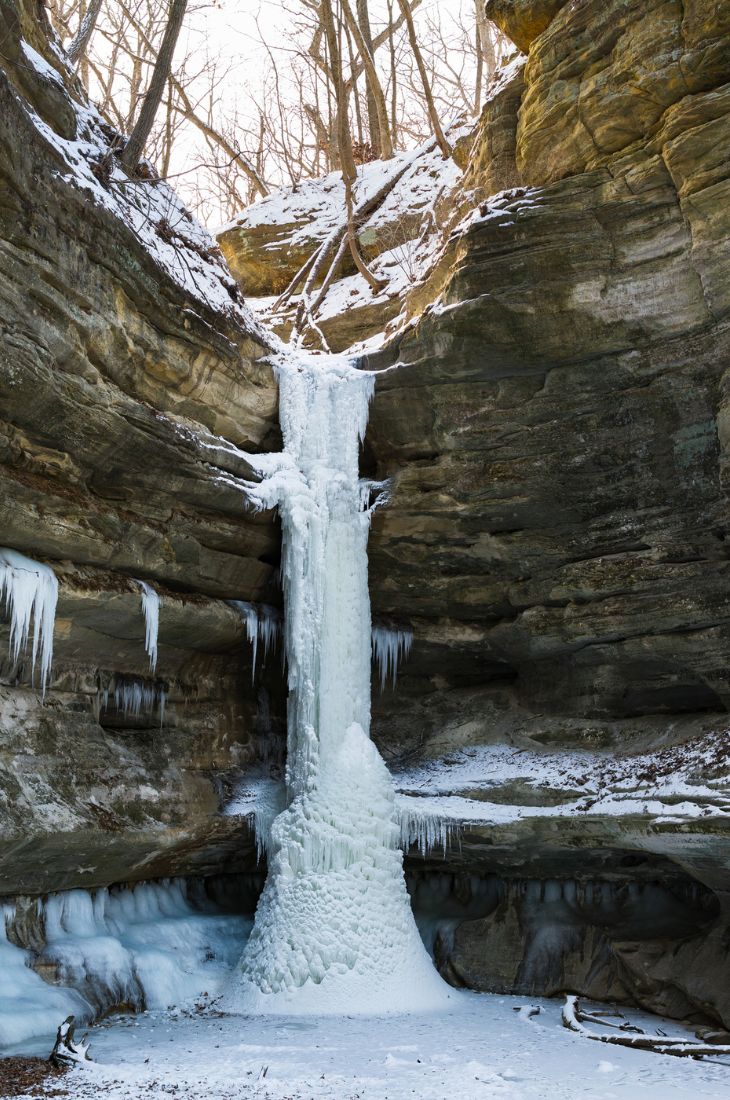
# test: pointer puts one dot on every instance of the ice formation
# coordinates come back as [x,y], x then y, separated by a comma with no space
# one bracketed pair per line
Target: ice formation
[151,611]
[147,946]
[263,623]
[28,1005]
[134,696]
[334,931]
[424,827]
[389,647]
[31,592]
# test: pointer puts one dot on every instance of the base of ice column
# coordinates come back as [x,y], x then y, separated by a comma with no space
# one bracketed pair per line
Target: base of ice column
[334,929]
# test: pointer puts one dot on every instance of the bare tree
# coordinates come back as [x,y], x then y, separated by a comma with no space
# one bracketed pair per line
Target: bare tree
[77,48]
[428,95]
[145,120]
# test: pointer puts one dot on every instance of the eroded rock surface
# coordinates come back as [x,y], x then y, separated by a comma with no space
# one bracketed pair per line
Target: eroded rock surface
[117,375]
[556,428]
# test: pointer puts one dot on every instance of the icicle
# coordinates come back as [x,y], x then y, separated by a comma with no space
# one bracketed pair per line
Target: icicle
[134,696]
[426,829]
[262,623]
[389,648]
[151,609]
[31,592]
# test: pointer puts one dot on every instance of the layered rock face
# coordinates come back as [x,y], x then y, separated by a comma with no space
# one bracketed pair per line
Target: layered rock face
[114,367]
[556,427]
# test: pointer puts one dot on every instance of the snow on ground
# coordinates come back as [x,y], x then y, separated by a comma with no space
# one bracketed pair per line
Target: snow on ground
[688,780]
[482,1048]
[405,226]
[498,784]
[319,203]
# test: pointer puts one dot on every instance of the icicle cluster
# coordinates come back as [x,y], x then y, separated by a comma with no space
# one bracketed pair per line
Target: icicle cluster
[263,623]
[334,930]
[151,611]
[133,696]
[30,590]
[425,828]
[389,648]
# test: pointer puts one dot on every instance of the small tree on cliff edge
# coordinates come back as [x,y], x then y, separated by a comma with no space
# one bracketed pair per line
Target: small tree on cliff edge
[145,120]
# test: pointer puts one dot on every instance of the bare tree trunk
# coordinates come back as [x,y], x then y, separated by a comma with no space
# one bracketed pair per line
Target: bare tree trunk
[344,142]
[145,120]
[77,49]
[393,75]
[355,90]
[363,19]
[432,113]
[384,148]
[486,59]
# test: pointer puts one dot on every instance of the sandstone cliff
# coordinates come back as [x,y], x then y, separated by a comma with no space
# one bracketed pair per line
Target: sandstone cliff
[555,422]
[121,350]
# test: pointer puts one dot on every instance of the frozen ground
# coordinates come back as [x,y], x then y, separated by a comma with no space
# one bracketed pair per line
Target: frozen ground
[482,1048]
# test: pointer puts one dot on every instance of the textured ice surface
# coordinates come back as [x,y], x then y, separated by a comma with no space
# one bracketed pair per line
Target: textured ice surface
[147,947]
[30,590]
[151,611]
[28,1005]
[334,931]
[389,647]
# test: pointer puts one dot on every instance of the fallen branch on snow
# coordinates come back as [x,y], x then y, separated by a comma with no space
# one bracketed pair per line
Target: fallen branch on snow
[66,1049]
[575,1019]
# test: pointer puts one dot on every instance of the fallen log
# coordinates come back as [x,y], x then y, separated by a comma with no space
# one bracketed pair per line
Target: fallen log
[574,1019]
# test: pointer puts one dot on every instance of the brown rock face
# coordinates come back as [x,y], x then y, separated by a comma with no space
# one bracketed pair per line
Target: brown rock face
[603,75]
[556,425]
[111,375]
[523,20]
[556,430]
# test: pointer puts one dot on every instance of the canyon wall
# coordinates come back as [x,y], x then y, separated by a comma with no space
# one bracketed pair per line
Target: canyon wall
[117,360]
[555,424]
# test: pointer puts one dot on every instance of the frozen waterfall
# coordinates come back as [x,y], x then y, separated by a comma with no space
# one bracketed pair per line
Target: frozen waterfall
[334,931]
[31,593]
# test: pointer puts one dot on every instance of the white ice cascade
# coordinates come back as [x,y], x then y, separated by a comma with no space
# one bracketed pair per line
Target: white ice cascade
[334,931]
[30,590]
[151,611]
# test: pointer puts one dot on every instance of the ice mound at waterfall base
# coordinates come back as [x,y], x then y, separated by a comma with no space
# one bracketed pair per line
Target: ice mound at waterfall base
[334,931]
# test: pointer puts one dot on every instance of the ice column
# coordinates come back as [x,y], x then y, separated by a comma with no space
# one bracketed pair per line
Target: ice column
[31,593]
[334,932]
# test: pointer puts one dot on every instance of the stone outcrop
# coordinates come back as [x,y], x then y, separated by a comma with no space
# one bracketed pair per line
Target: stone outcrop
[523,20]
[556,431]
[403,205]
[556,427]
[115,379]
